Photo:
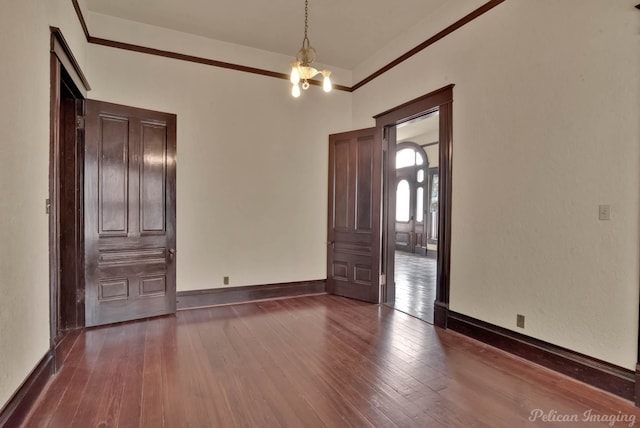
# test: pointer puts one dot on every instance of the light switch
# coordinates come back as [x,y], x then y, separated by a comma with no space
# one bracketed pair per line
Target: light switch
[604,212]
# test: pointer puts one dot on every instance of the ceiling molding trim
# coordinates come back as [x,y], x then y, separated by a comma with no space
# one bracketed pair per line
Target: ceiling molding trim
[200,60]
[442,34]
[83,23]
[262,72]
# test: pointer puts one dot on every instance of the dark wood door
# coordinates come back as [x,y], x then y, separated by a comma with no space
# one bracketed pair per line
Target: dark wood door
[354,234]
[130,213]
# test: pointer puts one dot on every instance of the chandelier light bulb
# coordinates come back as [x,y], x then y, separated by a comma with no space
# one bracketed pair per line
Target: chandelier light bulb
[295,74]
[295,90]
[305,85]
[326,83]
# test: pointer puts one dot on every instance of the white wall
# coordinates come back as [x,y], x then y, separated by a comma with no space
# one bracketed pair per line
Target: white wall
[545,127]
[416,34]
[24,184]
[433,155]
[545,112]
[252,160]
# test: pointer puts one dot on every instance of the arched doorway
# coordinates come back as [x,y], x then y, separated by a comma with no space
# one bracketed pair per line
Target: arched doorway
[412,166]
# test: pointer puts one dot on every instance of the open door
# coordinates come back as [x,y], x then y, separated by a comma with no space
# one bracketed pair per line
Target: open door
[130,213]
[354,231]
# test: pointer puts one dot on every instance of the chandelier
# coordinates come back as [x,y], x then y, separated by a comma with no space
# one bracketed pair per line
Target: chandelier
[301,68]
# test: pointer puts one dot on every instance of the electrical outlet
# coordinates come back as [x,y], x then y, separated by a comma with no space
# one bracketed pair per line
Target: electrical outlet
[604,212]
[520,321]
[225,280]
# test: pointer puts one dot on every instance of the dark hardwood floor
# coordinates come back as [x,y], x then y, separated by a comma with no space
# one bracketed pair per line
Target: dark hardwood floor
[415,278]
[318,361]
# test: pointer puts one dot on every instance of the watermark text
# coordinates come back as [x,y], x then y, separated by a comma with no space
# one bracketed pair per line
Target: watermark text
[552,415]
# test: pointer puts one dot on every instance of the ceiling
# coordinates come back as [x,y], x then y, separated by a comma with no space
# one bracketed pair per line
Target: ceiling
[343,32]
[427,124]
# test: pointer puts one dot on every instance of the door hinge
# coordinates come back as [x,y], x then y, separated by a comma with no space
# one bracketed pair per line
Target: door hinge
[80,122]
[47,206]
[79,296]
[383,279]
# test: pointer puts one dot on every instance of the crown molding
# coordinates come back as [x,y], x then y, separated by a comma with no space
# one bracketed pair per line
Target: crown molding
[231,66]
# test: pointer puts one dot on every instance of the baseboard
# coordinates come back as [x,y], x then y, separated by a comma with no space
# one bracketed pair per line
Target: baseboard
[637,388]
[230,295]
[602,375]
[18,406]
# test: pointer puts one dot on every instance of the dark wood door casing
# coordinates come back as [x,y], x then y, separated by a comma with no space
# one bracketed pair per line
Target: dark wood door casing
[130,236]
[71,159]
[68,88]
[355,188]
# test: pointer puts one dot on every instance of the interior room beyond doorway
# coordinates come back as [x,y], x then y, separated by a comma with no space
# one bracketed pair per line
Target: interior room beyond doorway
[416,216]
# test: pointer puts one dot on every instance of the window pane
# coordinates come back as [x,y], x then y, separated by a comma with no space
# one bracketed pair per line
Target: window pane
[433,232]
[402,201]
[405,157]
[419,159]
[433,205]
[419,204]
[420,176]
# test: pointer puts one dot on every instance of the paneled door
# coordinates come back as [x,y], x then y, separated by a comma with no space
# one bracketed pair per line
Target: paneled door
[354,232]
[130,213]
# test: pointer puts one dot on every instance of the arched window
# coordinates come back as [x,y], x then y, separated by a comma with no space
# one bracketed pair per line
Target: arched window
[403,198]
[411,155]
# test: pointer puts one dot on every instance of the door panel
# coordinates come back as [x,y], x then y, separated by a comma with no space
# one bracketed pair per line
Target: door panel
[129,213]
[353,256]
[113,165]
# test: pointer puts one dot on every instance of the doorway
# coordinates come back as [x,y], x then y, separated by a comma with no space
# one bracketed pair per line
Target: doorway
[389,124]
[65,203]
[111,205]
[416,215]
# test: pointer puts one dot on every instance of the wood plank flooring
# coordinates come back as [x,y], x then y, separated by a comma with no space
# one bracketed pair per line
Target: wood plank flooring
[415,278]
[317,361]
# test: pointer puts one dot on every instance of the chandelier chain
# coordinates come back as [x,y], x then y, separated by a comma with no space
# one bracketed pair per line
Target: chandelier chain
[306,19]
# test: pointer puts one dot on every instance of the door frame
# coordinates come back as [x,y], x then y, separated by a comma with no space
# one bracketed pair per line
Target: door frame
[441,100]
[64,71]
